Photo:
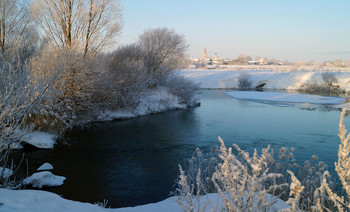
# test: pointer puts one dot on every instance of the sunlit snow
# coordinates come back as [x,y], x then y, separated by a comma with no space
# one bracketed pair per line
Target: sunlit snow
[290,80]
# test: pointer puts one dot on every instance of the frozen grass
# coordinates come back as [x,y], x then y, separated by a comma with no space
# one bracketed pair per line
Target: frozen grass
[255,183]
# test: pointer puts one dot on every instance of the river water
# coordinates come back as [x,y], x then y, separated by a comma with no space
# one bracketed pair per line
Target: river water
[135,161]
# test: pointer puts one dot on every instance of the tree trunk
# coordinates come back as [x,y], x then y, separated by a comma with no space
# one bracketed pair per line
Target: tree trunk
[87,39]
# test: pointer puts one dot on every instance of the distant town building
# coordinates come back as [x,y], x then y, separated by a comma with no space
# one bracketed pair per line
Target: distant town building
[215,57]
[205,54]
[256,62]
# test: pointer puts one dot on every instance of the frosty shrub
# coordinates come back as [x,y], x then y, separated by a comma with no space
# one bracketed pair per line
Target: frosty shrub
[22,92]
[195,181]
[342,168]
[277,173]
[202,165]
[56,113]
[82,76]
[329,78]
[327,196]
[126,76]
[79,82]
[309,172]
[183,88]
[242,182]
[328,85]
[244,81]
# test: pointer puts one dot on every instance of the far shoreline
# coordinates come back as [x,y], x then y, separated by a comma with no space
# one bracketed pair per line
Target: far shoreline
[269,67]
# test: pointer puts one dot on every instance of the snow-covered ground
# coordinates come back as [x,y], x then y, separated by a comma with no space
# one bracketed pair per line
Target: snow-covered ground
[33,201]
[222,78]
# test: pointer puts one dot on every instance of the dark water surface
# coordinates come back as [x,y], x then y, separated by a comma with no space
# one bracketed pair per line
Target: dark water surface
[133,162]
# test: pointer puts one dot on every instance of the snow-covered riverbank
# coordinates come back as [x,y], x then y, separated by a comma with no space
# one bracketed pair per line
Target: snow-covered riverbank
[32,201]
[219,78]
[154,101]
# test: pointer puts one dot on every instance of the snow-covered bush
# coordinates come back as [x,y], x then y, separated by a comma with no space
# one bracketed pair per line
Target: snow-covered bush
[244,81]
[22,92]
[56,113]
[329,78]
[183,88]
[79,82]
[126,76]
[242,182]
[236,180]
[328,85]
[342,167]
[200,167]
[310,172]
[327,196]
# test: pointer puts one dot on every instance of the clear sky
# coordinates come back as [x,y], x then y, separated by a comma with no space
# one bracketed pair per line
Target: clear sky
[282,29]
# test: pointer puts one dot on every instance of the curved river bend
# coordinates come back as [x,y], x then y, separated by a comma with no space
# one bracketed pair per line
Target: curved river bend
[133,162]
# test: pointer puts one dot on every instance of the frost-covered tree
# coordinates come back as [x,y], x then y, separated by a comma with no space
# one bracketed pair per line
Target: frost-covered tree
[164,51]
[82,25]
[149,63]
[79,29]
[14,23]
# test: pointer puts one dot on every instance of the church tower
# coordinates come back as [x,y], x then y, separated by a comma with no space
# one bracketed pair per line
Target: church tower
[204,54]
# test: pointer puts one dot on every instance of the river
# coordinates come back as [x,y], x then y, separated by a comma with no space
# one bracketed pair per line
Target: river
[135,161]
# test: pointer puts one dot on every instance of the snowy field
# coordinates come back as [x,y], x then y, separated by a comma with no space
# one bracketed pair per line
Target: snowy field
[220,78]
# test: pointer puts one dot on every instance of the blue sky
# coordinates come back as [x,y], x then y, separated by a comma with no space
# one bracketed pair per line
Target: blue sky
[285,29]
